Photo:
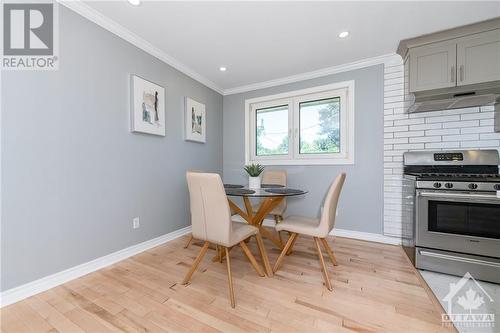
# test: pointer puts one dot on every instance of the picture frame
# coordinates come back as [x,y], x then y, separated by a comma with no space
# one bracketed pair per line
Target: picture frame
[147,106]
[194,121]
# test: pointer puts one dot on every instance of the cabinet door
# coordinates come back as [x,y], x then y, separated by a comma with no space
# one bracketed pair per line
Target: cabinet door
[433,66]
[478,58]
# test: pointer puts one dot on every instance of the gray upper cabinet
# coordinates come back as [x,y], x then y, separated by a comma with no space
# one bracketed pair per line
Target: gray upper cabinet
[433,66]
[478,58]
[456,62]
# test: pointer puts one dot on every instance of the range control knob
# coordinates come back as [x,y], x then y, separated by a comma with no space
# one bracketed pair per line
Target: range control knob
[497,187]
[437,185]
[472,186]
[448,185]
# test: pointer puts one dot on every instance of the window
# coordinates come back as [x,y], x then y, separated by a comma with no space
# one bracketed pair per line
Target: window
[310,126]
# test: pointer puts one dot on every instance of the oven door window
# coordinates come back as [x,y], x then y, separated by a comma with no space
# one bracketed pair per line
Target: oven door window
[473,219]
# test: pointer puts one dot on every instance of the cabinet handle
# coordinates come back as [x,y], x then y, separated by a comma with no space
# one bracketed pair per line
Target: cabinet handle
[453,73]
[461,73]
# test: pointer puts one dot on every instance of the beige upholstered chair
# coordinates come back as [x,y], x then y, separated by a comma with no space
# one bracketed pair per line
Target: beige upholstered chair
[190,239]
[316,228]
[211,222]
[276,177]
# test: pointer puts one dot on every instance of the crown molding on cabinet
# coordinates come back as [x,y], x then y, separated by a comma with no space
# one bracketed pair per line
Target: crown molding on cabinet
[447,34]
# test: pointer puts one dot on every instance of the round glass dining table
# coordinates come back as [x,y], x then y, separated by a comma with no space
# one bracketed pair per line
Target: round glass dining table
[271,196]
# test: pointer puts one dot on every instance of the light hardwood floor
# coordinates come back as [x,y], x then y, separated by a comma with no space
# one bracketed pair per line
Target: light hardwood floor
[375,289]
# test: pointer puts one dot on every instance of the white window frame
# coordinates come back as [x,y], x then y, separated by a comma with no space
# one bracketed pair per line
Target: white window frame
[344,90]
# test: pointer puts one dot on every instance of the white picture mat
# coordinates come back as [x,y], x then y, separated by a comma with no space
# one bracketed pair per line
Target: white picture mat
[139,86]
[191,133]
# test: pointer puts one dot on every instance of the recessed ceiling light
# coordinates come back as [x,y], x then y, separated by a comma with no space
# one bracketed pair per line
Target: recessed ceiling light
[135,2]
[343,34]
[222,69]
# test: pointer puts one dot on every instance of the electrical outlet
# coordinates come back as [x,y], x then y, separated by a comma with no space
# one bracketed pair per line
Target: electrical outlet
[136,223]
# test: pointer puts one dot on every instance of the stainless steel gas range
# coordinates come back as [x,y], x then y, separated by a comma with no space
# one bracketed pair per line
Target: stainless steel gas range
[456,200]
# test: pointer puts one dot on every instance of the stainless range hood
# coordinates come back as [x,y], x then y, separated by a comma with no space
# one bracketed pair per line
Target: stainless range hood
[457,98]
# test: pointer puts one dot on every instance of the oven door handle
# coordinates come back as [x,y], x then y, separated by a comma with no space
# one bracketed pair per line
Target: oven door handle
[459,195]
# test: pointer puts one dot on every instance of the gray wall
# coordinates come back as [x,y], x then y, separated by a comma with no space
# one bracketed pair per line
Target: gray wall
[73,176]
[361,203]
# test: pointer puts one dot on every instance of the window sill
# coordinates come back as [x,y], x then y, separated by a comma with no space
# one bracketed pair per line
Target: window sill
[318,161]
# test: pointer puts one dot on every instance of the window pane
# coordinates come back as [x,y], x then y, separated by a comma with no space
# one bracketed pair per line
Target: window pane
[272,131]
[320,126]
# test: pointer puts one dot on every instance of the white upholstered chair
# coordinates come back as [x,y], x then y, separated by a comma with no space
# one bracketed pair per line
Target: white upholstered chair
[319,229]
[211,223]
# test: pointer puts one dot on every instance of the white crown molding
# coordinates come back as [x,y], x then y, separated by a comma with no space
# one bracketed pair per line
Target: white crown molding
[32,288]
[93,15]
[366,236]
[387,59]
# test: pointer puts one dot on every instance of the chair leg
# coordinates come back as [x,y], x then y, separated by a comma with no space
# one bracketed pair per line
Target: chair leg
[251,258]
[196,263]
[329,251]
[291,246]
[189,241]
[230,278]
[278,220]
[290,242]
[323,266]
[263,255]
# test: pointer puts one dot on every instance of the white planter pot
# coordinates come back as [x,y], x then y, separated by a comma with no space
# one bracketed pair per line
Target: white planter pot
[254,182]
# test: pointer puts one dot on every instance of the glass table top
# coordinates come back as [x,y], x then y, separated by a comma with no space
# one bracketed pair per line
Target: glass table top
[267,190]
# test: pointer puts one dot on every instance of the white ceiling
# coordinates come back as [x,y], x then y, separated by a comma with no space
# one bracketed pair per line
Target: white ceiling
[261,41]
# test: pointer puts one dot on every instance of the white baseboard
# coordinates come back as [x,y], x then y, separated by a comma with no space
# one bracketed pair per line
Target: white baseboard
[367,236]
[32,288]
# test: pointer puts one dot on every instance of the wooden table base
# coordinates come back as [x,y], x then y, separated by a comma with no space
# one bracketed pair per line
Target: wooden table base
[266,206]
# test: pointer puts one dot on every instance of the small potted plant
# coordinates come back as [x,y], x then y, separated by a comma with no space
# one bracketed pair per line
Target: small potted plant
[254,171]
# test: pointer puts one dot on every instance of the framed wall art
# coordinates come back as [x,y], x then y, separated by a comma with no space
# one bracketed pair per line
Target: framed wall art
[147,109]
[195,121]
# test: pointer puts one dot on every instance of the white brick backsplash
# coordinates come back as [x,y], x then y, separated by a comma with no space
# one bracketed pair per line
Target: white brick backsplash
[448,131]
[490,136]
[395,129]
[398,80]
[461,137]
[396,117]
[426,139]
[480,144]
[442,119]
[487,122]
[487,108]
[408,134]
[469,128]
[393,93]
[442,145]
[425,127]
[408,122]
[410,146]
[397,140]
[460,124]
[482,115]
[485,129]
